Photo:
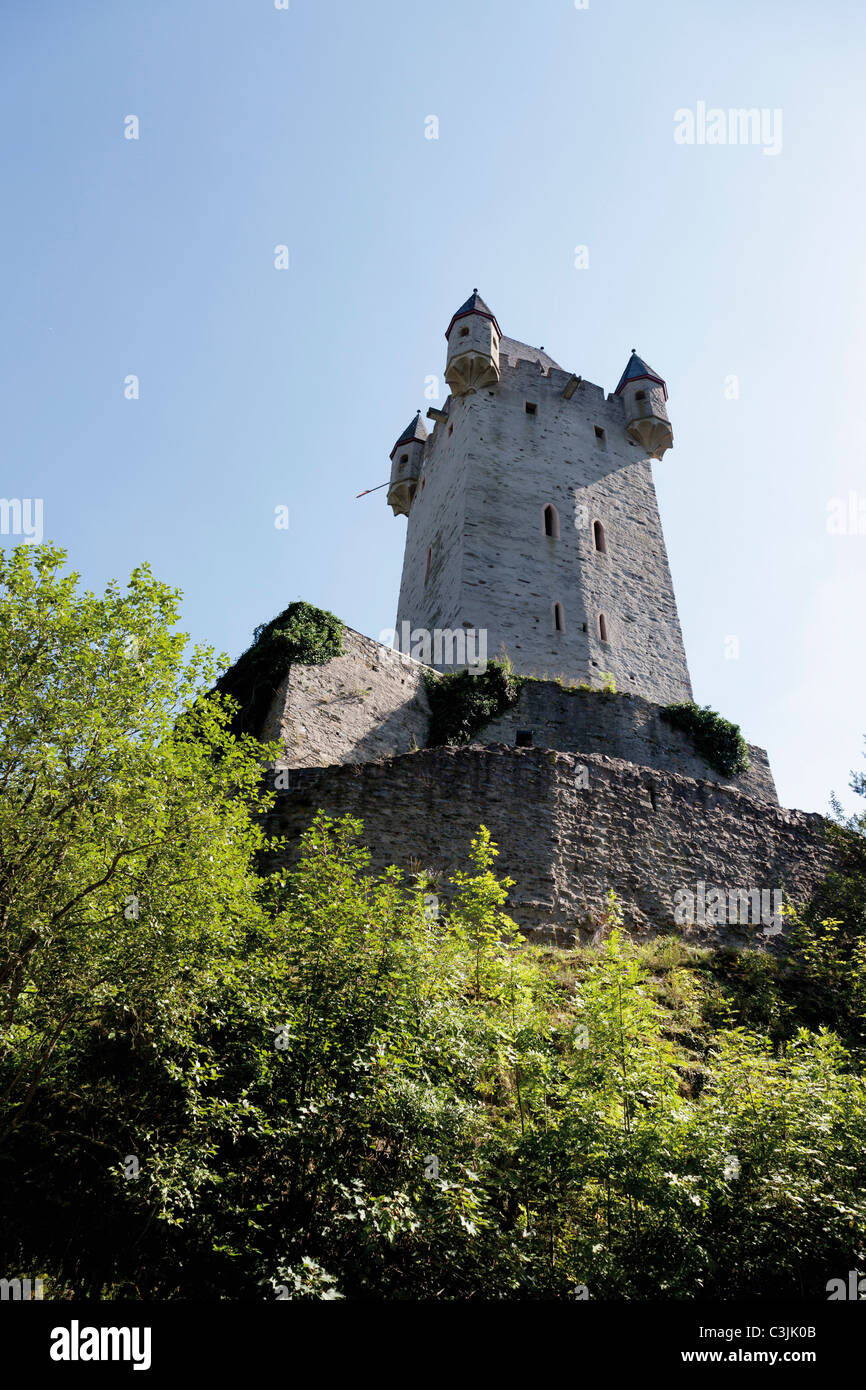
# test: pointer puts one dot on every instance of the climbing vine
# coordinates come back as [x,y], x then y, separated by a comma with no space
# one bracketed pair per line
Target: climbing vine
[461,703]
[717,740]
[300,635]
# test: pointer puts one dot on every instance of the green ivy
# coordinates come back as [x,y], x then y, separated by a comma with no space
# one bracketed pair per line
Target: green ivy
[717,740]
[301,635]
[461,703]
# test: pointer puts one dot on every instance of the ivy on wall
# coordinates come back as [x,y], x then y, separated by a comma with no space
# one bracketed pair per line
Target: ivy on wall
[717,740]
[461,703]
[300,635]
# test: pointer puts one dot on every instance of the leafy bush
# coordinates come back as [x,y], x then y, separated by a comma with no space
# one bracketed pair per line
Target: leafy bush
[462,703]
[331,1092]
[717,740]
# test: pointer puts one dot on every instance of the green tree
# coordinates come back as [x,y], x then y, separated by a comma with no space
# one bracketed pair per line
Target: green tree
[125,834]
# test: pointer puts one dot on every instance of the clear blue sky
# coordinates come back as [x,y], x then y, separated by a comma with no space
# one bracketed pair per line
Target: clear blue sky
[261,387]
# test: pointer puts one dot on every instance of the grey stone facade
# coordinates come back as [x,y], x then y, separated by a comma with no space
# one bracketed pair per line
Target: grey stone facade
[476,550]
[642,832]
[608,795]
[620,726]
[368,703]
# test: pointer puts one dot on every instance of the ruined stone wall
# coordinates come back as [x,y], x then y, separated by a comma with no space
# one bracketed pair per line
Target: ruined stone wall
[644,833]
[370,703]
[366,704]
[622,726]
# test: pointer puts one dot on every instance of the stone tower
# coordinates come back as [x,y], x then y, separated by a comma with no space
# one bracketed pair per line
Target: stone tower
[532,515]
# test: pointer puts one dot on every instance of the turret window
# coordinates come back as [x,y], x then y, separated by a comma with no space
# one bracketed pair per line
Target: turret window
[551,521]
[464,333]
[598,537]
[558,618]
[602,627]
[640,395]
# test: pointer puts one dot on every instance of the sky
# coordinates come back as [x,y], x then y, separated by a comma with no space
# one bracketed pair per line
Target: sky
[156,155]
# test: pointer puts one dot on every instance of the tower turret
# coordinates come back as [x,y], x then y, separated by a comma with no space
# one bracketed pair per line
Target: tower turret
[644,394]
[473,347]
[406,457]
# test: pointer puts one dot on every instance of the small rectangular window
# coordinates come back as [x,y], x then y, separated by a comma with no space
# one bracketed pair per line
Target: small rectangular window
[531,407]
[523,738]
[599,434]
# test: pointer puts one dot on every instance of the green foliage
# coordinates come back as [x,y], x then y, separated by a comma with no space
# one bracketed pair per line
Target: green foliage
[717,740]
[301,635]
[332,1092]
[462,703]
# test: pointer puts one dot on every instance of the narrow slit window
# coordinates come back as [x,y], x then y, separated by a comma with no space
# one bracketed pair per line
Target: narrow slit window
[599,537]
[428,563]
[602,627]
[558,618]
[551,521]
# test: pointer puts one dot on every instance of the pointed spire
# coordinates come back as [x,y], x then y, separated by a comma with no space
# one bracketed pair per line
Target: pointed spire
[637,370]
[474,305]
[414,433]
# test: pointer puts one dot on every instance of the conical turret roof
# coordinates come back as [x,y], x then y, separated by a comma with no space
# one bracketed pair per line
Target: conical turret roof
[637,370]
[415,432]
[474,305]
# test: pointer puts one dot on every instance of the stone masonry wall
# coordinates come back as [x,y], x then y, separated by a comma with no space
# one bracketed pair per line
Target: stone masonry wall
[621,726]
[488,472]
[368,703]
[641,832]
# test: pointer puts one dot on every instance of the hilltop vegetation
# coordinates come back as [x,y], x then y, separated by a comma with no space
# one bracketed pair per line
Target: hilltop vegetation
[219,1083]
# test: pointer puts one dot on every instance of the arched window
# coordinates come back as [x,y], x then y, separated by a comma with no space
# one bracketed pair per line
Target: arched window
[602,627]
[558,618]
[551,521]
[429,562]
[598,537]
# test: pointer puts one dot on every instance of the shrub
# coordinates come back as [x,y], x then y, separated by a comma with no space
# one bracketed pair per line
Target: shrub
[717,740]
[461,703]
[302,635]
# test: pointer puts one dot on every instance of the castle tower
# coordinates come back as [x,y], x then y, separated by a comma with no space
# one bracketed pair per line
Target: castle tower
[532,515]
